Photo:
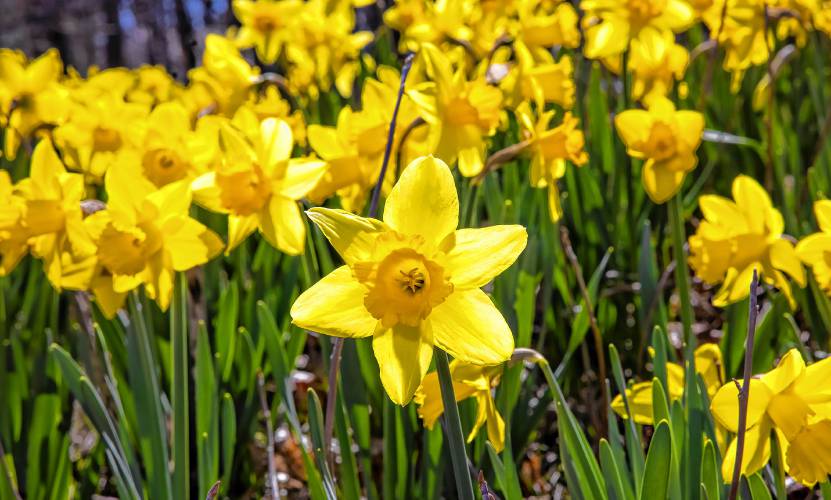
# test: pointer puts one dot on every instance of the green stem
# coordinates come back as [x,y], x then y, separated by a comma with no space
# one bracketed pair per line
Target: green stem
[455,438]
[179,387]
[676,223]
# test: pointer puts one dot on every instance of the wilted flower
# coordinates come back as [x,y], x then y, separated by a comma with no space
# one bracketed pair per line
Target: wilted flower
[739,236]
[666,139]
[469,381]
[413,280]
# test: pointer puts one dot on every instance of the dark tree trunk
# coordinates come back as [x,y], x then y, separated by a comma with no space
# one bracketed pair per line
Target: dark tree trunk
[115,57]
[185,29]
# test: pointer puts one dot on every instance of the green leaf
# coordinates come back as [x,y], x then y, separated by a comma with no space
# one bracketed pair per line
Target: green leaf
[656,475]
[754,488]
[612,473]
[179,387]
[229,436]
[226,329]
[207,414]
[710,472]
[633,443]
[316,431]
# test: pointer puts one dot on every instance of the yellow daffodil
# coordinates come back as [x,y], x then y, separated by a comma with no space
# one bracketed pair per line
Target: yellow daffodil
[469,381]
[264,25]
[168,145]
[51,221]
[12,238]
[611,24]
[666,139]
[739,236]
[741,34]
[98,130]
[790,400]
[461,114]
[153,85]
[546,24]
[815,249]
[655,66]
[550,149]
[268,103]
[413,280]
[431,21]
[354,149]
[145,235]
[258,184]
[30,95]
[537,76]
[223,80]
[708,364]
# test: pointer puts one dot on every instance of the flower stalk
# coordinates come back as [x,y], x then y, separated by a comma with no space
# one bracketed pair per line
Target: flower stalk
[453,425]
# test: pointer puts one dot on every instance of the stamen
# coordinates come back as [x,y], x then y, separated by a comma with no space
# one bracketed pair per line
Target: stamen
[412,281]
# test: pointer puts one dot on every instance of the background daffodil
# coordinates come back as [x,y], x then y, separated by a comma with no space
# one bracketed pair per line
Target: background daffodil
[469,381]
[666,140]
[815,249]
[412,280]
[739,236]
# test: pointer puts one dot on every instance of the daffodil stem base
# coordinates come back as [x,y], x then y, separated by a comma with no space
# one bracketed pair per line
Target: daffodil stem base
[455,437]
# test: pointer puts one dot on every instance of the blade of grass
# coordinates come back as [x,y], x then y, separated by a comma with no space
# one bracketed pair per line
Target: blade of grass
[179,387]
[455,438]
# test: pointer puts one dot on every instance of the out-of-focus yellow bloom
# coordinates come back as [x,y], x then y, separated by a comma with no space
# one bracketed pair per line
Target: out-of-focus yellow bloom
[153,85]
[264,25]
[550,149]
[354,149]
[655,66]
[538,77]
[739,236]
[708,364]
[610,25]
[791,400]
[268,103]
[258,184]
[51,221]
[461,113]
[666,139]
[169,146]
[97,130]
[429,21]
[741,36]
[469,381]
[413,280]
[145,235]
[12,238]
[224,78]
[815,249]
[325,49]
[30,95]
[545,24]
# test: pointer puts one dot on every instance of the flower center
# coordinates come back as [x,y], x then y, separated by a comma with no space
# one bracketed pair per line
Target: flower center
[244,192]
[642,11]
[460,112]
[163,166]
[661,144]
[264,23]
[403,287]
[106,139]
[125,251]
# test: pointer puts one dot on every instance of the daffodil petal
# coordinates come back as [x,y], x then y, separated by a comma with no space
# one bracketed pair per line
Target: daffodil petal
[302,175]
[725,404]
[404,354]
[755,455]
[189,242]
[334,306]
[479,255]
[789,369]
[352,236]
[282,225]
[424,201]
[469,327]
[809,453]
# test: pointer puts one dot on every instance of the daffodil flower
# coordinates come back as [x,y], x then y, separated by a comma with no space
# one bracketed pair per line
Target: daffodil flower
[461,113]
[30,95]
[258,184]
[264,25]
[739,236]
[611,24]
[655,65]
[708,364]
[469,381]
[790,400]
[168,146]
[51,221]
[145,235]
[550,149]
[815,249]
[412,281]
[12,238]
[666,139]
